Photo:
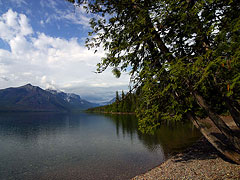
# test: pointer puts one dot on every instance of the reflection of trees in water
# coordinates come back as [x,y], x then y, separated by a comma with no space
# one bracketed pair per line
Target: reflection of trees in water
[125,123]
[171,136]
[29,126]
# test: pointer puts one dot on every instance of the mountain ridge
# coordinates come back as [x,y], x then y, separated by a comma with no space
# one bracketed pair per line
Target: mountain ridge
[34,98]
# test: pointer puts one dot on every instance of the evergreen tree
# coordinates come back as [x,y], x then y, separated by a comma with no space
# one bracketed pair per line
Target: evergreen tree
[184,57]
[117,97]
[116,104]
[123,95]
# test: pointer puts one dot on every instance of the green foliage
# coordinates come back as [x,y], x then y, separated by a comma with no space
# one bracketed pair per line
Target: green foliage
[127,104]
[116,72]
[173,48]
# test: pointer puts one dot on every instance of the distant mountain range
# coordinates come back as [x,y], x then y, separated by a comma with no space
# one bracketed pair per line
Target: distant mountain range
[108,102]
[33,98]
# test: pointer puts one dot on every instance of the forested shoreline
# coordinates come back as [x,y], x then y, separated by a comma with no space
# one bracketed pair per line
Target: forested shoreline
[124,104]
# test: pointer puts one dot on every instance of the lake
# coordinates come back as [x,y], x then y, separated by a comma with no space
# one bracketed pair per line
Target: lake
[84,146]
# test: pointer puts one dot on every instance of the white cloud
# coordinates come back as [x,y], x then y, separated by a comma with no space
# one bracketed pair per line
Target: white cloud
[76,15]
[50,62]
[25,28]
[79,17]
[10,18]
[13,24]
[42,23]
[18,2]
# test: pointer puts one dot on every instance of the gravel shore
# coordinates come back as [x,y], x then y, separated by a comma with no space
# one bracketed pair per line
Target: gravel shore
[200,161]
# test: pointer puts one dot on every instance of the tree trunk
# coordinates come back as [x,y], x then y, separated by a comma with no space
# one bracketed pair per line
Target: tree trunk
[220,124]
[236,104]
[232,105]
[217,143]
[234,112]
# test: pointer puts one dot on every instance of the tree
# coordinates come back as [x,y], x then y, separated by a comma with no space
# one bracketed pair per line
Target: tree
[117,97]
[123,95]
[184,57]
[116,103]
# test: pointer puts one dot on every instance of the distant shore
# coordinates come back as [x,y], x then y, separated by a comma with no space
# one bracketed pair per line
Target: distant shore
[104,112]
[200,161]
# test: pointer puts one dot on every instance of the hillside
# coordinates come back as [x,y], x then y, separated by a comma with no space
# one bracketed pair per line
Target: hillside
[33,98]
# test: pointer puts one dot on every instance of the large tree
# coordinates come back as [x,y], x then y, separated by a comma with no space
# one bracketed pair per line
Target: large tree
[183,55]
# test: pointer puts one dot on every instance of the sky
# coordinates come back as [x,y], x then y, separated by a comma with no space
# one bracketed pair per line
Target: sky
[42,42]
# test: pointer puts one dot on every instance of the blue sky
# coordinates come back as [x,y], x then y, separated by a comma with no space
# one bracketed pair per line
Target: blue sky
[42,43]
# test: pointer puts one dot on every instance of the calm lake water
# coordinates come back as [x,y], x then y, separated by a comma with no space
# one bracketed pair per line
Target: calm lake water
[83,146]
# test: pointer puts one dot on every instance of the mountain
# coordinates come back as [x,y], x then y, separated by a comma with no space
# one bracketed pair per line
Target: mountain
[74,101]
[108,102]
[33,98]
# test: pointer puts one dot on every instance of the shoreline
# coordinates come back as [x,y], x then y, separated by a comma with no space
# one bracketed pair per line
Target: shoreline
[199,161]
[104,112]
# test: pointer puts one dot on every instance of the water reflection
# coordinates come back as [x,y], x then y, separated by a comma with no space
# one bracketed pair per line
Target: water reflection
[172,137]
[83,146]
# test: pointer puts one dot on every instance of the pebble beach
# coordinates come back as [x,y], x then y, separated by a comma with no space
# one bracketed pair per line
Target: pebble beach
[200,161]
